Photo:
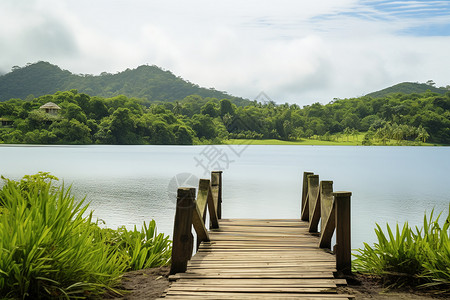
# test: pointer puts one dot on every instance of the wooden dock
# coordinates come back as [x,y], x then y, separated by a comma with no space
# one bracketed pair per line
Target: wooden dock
[248,258]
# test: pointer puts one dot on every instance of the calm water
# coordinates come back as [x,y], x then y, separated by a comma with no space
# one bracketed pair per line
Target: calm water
[127,185]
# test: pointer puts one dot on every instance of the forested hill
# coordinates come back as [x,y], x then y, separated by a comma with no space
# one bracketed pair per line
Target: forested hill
[409,88]
[144,82]
[398,119]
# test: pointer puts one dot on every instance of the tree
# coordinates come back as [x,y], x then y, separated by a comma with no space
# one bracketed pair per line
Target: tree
[97,109]
[177,108]
[161,134]
[422,134]
[183,135]
[287,130]
[398,133]
[122,127]
[367,141]
[350,120]
[431,83]
[203,125]
[71,132]
[355,134]
[226,107]
[210,108]
[73,111]
[347,132]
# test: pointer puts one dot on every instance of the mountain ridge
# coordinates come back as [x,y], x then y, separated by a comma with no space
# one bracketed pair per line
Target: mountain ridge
[145,82]
[407,88]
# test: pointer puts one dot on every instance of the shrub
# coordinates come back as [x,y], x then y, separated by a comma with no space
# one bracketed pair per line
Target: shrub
[51,248]
[143,249]
[419,257]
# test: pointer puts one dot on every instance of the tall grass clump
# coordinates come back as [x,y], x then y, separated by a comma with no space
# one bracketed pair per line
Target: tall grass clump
[144,248]
[407,256]
[51,248]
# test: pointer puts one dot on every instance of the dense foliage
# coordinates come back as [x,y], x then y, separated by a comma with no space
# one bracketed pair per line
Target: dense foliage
[121,120]
[51,248]
[410,256]
[145,82]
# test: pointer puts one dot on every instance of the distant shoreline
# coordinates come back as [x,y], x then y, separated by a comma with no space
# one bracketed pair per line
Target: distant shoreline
[311,142]
[267,142]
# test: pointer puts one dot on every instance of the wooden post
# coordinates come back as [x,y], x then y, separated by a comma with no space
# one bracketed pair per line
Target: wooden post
[343,234]
[183,240]
[328,217]
[305,212]
[313,197]
[216,180]
[212,194]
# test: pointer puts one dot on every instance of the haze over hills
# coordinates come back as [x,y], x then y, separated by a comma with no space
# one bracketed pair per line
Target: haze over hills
[145,82]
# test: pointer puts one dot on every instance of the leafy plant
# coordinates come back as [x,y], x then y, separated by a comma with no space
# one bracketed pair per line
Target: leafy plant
[419,257]
[144,249]
[51,248]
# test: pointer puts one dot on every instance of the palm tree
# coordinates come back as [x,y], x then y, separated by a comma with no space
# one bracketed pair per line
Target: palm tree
[177,108]
[398,133]
[422,134]
[347,132]
[355,134]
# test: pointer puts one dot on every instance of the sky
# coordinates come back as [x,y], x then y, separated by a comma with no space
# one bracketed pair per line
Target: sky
[294,51]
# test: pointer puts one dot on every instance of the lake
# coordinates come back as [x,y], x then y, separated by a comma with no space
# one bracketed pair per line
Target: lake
[127,185]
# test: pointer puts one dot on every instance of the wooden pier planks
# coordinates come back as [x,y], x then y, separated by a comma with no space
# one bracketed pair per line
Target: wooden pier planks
[256,258]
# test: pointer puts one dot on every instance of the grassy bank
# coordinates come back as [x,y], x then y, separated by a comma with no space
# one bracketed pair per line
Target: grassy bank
[417,257]
[316,142]
[52,248]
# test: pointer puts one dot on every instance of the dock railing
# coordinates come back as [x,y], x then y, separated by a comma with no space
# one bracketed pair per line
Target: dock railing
[319,204]
[192,213]
[332,209]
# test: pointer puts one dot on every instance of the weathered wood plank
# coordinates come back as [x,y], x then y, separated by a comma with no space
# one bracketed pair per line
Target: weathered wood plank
[304,209]
[260,258]
[233,296]
[236,295]
[199,225]
[260,289]
[216,181]
[202,197]
[285,275]
[241,265]
[253,282]
[182,232]
[314,202]
[343,236]
[261,270]
[256,219]
[212,208]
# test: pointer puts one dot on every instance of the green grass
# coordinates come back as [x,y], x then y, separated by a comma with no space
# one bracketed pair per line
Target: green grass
[51,248]
[411,257]
[341,141]
[280,142]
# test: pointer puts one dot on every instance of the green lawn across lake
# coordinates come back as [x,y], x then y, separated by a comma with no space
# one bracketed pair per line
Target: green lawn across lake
[313,142]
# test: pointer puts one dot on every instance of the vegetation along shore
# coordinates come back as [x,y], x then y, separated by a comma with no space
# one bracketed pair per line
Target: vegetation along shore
[57,250]
[51,248]
[81,119]
[172,111]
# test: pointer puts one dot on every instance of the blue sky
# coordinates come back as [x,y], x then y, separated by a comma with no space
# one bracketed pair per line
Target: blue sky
[421,18]
[295,51]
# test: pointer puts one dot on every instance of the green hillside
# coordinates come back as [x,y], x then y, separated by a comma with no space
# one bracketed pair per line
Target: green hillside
[144,82]
[407,88]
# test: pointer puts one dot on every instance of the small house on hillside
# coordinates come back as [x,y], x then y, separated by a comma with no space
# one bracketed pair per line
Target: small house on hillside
[50,108]
[6,122]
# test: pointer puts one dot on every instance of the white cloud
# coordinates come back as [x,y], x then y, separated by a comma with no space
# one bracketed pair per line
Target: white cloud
[295,51]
